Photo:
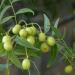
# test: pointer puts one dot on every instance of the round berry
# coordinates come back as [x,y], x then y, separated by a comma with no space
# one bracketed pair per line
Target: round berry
[16,29]
[23,33]
[29,30]
[34,30]
[31,40]
[26,64]
[6,38]
[68,69]
[44,47]
[42,37]
[51,41]
[8,46]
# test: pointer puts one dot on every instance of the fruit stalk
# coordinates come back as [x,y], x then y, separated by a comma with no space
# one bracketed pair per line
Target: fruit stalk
[37,25]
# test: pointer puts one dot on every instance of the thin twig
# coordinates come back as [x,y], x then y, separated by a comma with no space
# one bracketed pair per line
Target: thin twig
[13,11]
[35,67]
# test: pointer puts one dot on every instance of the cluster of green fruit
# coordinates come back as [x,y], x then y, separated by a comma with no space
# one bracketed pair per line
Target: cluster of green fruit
[32,35]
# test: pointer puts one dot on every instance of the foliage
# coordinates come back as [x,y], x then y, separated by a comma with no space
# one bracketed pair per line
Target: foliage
[24,47]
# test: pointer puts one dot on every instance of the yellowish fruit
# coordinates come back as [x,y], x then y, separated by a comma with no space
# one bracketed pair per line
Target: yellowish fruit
[29,30]
[34,30]
[51,41]
[31,40]
[26,64]
[23,33]
[42,37]
[16,29]
[6,38]
[8,46]
[44,47]
[68,69]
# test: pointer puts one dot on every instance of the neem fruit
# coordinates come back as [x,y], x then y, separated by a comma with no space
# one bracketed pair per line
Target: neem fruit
[44,47]
[6,38]
[16,29]
[8,46]
[29,30]
[31,40]
[23,33]
[34,30]
[51,41]
[26,64]
[68,69]
[42,37]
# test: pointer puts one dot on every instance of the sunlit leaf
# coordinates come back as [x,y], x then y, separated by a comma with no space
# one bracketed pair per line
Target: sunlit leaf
[6,19]
[56,23]
[46,23]
[55,28]
[2,2]
[3,12]
[24,10]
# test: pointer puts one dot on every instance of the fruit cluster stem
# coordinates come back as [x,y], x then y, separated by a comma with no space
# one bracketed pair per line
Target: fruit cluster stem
[26,52]
[23,22]
[37,25]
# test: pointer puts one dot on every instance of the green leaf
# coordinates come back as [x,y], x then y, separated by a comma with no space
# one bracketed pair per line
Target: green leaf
[55,25]
[24,43]
[6,19]
[68,56]
[20,51]
[46,23]
[68,52]
[53,54]
[2,51]
[14,59]
[13,1]
[56,31]
[3,12]
[24,10]
[2,2]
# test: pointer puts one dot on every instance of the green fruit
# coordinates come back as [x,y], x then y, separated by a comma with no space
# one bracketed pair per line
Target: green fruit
[23,33]
[51,41]
[68,69]
[8,46]
[6,38]
[31,40]
[16,29]
[34,30]
[42,37]
[26,64]
[29,30]
[44,47]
